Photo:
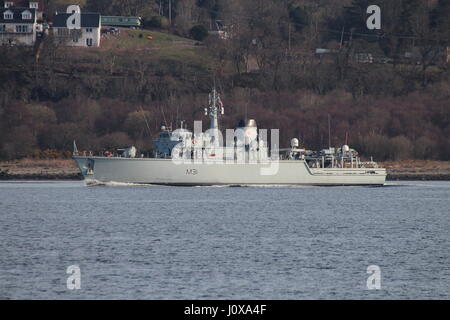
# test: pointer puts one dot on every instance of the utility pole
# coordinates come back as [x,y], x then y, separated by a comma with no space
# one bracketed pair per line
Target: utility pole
[170,13]
[289,37]
[342,37]
[329,131]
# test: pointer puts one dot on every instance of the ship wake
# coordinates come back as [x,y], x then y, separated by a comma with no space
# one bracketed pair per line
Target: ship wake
[97,183]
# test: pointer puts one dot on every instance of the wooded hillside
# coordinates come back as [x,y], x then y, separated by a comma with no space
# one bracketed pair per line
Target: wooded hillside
[395,106]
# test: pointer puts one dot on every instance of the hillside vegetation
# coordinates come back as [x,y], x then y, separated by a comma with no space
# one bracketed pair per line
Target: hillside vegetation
[392,109]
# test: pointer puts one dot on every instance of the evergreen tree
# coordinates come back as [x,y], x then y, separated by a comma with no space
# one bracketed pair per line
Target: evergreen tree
[355,15]
[410,10]
[440,19]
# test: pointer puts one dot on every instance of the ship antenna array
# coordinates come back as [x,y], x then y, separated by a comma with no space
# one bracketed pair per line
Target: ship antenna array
[215,107]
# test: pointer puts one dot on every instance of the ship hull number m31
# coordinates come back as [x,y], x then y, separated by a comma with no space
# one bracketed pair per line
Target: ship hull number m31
[192,172]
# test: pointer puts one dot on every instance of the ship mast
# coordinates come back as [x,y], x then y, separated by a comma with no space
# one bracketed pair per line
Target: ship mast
[215,107]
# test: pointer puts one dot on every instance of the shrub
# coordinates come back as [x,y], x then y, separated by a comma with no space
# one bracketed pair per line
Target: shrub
[115,140]
[425,148]
[374,145]
[157,22]
[401,148]
[135,124]
[20,143]
[199,33]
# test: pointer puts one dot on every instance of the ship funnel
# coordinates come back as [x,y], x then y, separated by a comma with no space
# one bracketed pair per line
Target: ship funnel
[251,123]
[247,132]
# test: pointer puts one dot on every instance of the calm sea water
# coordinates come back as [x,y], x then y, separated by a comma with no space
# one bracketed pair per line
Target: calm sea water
[224,243]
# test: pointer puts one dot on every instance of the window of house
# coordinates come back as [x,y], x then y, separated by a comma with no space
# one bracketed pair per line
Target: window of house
[89,42]
[9,4]
[21,29]
[88,29]
[34,5]
[62,32]
[8,15]
[26,15]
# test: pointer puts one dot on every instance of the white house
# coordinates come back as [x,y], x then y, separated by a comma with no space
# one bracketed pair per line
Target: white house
[18,26]
[88,35]
[38,5]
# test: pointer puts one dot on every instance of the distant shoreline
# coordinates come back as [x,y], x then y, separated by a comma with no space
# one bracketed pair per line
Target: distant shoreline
[79,177]
[40,177]
[39,170]
[418,177]
[66,170]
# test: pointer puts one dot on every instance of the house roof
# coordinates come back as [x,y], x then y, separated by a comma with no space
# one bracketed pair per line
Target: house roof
[23,3]
[88,20]
[17,15]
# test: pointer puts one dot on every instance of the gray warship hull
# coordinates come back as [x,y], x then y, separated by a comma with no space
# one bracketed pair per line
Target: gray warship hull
[166,172]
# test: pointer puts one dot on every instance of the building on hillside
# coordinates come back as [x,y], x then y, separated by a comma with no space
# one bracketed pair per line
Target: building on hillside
[18,26]
[37,5]
[221,30]
[87,36]
[363,57]
[119,21]
[429,55]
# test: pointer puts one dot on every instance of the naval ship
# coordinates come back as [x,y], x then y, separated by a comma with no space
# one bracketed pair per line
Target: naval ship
[185,158]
